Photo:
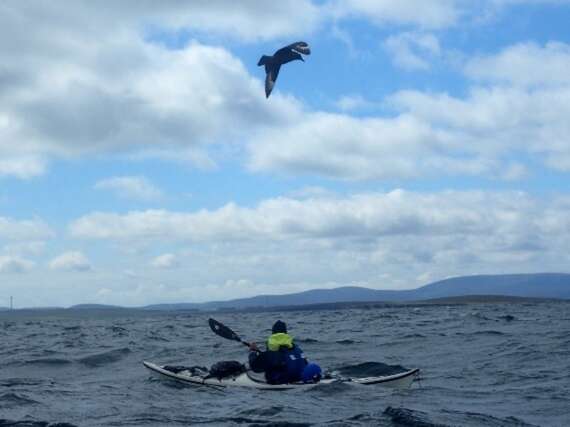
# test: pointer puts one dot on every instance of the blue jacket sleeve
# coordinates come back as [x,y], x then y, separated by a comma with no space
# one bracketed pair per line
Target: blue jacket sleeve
[257,361]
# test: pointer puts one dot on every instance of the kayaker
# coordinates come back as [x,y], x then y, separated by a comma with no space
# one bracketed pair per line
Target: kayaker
[283,361]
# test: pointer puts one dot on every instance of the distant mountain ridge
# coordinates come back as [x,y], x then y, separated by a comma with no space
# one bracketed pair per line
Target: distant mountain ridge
[540,285]
[95,307]
[484,287]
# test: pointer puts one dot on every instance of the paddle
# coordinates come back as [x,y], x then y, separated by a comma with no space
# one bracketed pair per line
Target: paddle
[225,332]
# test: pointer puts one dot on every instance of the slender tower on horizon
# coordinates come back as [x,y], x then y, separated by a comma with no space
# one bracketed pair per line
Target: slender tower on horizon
[11,302]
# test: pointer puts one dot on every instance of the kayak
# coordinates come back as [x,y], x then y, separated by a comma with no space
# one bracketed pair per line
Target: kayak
[249,379]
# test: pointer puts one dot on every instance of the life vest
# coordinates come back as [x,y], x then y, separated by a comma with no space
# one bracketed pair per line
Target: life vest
[278,341]
[287,360]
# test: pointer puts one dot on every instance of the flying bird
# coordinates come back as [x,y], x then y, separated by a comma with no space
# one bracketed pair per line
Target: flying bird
[282,56]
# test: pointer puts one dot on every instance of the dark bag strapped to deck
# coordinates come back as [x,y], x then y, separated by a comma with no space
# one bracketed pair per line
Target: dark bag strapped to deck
[227,368]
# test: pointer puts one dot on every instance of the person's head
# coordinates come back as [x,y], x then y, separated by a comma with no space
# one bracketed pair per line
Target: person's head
[279,327]
[312,373]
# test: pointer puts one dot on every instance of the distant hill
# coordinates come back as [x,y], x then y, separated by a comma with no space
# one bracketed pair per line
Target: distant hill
[95,307]
[465,289]
[175,306]
[314,296]
[542,285]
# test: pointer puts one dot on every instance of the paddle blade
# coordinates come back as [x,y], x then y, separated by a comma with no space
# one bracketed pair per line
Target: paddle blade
[223,331]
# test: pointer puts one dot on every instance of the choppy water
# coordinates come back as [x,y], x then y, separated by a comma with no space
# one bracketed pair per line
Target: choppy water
[482,365]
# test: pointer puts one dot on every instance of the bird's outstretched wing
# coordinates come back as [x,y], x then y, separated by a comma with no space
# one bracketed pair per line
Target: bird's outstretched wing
[272,71]
[299,47]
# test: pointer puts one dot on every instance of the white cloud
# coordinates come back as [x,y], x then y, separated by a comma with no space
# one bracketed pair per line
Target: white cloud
[153,102]
[413,51]
[248,21]
[70,261]
[515,171]
[345,147]
[25,248]
[435,133]
[165,261]
[133,187]
[192,156]
[382,240]
[130,274]
[21,230]
[525,64]
[148,104]
[432,14]
[375,239]
[21,166]
[311,193]
[159,224]
[517,2]
[152,99]
[14,264]
[348,103]
[364,216]
[500,121]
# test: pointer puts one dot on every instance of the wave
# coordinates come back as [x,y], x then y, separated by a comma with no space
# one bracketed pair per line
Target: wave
[346,342]
[488,332]
[252,422]
[410,418]
[18,382]
[51,361]
[119,330]
[507,318]
[105,358]
[414,336]
[263,411]
[155,337]
[479,419]
[9,400]
[306,340]
[11,423]
[364,419]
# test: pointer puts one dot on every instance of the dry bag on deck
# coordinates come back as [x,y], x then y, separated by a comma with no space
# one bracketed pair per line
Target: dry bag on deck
[224,369]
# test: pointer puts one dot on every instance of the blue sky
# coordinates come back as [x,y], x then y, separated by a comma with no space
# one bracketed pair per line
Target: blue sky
[140,161]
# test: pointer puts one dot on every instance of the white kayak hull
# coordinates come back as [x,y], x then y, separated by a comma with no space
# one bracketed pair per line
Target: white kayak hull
[400,380]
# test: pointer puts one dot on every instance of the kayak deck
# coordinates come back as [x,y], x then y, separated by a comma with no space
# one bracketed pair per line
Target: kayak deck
[399,380]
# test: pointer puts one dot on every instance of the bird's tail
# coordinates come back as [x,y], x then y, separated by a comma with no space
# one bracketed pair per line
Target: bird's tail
[263,60]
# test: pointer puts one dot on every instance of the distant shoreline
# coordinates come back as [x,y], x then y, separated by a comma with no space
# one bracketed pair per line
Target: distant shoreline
[474,289]
[344,305]
[488,299]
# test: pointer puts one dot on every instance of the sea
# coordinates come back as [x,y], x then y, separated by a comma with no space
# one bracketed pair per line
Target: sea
[494,364]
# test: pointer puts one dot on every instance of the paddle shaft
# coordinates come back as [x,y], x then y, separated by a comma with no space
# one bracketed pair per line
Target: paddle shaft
[244,343]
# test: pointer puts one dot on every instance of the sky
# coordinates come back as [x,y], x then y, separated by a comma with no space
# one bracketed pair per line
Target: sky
[140,161]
